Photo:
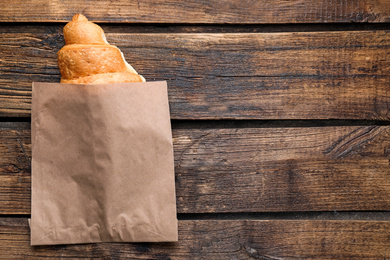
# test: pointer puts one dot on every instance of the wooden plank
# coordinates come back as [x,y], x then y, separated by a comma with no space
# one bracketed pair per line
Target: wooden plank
[228,239]
[316,75]
[174,11]
[248,169]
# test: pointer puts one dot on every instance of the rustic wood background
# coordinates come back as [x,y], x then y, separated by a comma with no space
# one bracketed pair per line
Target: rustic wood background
[280,115]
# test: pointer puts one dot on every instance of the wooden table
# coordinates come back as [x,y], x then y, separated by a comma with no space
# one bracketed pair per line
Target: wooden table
[280,115]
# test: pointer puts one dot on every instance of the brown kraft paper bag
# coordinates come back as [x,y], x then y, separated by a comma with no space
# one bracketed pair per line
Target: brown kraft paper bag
[102,164]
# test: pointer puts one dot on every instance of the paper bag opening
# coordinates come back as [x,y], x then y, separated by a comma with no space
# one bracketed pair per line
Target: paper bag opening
[102,164]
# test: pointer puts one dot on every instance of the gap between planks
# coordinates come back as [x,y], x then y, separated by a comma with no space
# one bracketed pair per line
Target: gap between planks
[50,28]
[10,123]
[309,215]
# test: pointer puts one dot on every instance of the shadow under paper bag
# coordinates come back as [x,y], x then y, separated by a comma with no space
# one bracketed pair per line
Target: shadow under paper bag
[102,164]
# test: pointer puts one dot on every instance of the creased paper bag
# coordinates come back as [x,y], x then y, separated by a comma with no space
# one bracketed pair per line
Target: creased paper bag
[102,164]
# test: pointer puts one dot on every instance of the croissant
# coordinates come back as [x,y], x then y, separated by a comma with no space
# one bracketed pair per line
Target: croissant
[87,57]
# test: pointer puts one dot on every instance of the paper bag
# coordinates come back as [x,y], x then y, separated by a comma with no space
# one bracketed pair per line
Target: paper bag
[102,164]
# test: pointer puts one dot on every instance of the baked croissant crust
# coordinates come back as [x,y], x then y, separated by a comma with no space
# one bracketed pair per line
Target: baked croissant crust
[87,58]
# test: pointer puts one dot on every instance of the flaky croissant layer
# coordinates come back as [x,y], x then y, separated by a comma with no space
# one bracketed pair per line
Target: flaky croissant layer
[87,58]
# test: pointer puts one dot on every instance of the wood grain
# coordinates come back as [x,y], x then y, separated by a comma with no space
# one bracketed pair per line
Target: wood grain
[229,239]
[174,11]
[248,169]
[315,75]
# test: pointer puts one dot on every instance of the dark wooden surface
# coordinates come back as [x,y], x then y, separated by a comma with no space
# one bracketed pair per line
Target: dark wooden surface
[280,117]
[175,11]
[224,239]
[341,75]
[248,169]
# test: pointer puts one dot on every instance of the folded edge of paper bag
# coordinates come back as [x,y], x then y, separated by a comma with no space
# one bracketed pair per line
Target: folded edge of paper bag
[102,164]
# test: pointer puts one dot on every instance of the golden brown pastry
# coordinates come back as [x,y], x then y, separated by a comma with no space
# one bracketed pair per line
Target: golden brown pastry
[87,58]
